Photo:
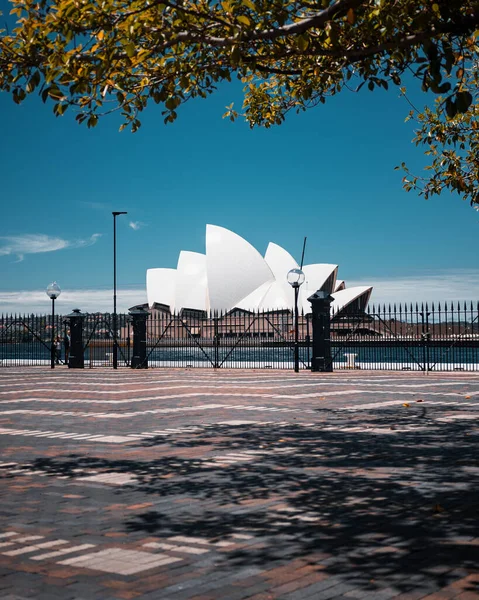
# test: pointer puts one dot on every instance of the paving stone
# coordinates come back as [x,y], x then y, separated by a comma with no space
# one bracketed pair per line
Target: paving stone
[321,486]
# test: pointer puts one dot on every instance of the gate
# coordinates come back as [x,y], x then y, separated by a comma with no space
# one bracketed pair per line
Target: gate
[99,339]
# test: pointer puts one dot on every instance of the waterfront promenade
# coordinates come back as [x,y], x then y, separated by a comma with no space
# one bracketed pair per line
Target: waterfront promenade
[259,485]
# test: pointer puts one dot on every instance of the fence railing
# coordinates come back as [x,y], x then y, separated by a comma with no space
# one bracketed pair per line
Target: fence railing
[425,337]
[26,339]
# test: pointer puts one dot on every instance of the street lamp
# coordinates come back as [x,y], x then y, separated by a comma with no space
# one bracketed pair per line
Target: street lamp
[115,342]
[295,279]
[53,291]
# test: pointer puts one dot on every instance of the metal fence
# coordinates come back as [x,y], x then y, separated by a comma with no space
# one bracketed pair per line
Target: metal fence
[437,337]
[434,337]
[237,339]
[27,339]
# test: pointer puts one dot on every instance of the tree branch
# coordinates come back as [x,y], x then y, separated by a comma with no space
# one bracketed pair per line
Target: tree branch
[318,20]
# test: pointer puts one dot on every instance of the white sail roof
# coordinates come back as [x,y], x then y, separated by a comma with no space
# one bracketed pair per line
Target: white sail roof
[279,261]
[234,268]
[345,297]
[280,295]
[316,275]
[191,282]
[254,300]
[160,287]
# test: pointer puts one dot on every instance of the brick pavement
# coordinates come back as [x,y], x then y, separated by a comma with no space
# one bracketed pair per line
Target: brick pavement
[203,485]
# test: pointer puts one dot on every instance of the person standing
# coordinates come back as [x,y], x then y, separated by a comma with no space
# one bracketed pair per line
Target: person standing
[58,350]
[66,345]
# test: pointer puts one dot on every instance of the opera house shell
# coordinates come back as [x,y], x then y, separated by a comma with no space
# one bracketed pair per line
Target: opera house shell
[232,274]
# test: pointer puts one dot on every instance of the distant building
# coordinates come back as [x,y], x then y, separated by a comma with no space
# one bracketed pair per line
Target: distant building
[232,275]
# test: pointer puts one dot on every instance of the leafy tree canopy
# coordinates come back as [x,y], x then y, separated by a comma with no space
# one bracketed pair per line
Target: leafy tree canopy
[103,55]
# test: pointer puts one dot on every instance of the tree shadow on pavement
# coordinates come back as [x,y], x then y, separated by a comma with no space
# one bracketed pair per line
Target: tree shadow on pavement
[389,501]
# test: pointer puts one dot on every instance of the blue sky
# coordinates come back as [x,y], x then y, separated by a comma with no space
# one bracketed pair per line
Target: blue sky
[327,174]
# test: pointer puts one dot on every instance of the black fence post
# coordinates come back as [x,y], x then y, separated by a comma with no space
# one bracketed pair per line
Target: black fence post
[307,339]
[321,359]
[75,357]
[128,340]
[216,341]
[425,336]
[139,359]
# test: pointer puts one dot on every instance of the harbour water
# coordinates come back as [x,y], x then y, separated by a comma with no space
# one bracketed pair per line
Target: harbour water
[365,357]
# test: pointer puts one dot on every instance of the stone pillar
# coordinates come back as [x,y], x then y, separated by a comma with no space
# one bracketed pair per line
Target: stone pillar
[76,357]
[139,359]
[321,359]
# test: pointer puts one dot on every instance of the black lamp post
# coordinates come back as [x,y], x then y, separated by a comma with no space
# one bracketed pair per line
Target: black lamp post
[53,291]
[295,279]
[115,328]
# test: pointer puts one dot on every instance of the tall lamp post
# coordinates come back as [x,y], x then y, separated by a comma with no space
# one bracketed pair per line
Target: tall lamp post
[53,291]
[295,279]
[115,329]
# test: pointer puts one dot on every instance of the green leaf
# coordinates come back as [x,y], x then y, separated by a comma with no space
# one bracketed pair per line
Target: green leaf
[54,92]
[59,109]
[451,108]
[302,42]
[445,87]
[172,103]
[18,95]
[244,19]
[92,121]
[463,101]
[130,50]
[235,55]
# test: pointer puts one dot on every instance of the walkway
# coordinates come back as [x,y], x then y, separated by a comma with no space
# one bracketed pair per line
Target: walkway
[196,485]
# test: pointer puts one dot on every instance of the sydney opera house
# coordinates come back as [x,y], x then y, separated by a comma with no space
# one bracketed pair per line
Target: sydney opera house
[232,274]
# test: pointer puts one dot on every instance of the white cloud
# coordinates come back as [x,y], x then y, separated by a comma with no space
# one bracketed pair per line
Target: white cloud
[35,243]
[135,225]
[446,286]
[83,243]
[36,301]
